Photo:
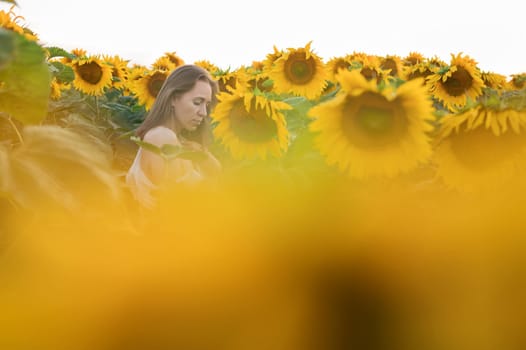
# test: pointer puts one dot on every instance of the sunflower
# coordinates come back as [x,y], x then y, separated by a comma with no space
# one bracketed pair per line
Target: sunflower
[227,80]
[92,75]
[494,80]
[413,58]
[271,58]
[335,64]
[120,71]
[418,70]
[299,72]
[80,53]
[454,84]
[147,87]
[436,63]
[174,58]
[56,89]
[163,63]
[207,65]
[392,64]
[136,72]
[253,78]
[359,57]
[517,81]
[8,20]
[250,125]
[77,52]
[370,69]
[482,148]
[257,66]
[368,132]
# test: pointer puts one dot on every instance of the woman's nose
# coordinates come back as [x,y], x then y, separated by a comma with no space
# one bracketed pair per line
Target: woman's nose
[202,110]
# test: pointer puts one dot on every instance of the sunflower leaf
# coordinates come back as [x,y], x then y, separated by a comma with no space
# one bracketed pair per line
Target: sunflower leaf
[25,79]
[172,151]
[146,145]
[7,48]
[444,70]
[169,151]
[267,83]
[54,51]
[62,72]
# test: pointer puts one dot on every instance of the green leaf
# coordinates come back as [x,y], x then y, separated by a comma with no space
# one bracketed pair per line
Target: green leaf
[169,151]
[444,70]
[25,79]
[267,83]
[54,51]
[7,48]
[62,72]
[146,145]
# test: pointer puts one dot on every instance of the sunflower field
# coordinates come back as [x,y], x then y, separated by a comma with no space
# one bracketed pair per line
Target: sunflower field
[366,202]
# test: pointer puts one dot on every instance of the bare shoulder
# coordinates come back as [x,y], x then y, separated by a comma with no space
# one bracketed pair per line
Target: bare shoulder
[161,135]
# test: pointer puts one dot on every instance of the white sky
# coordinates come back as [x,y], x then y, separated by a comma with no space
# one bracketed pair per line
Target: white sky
[232,33]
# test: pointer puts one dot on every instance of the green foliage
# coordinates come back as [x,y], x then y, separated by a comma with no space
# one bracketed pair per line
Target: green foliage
[170,151]
[297,120]
[24,78]
[63,73]
[54,51]
[7,47]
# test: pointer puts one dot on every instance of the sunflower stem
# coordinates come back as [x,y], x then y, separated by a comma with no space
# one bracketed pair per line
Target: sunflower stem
[97,106]
[13,125]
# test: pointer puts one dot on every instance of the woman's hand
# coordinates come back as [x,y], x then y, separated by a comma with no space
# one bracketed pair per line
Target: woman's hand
[208,164]
[192,145]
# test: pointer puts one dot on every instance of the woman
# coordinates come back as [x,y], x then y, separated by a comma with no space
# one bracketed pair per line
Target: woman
[179,117]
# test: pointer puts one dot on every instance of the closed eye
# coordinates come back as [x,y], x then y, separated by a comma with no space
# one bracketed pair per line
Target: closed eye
[200,101]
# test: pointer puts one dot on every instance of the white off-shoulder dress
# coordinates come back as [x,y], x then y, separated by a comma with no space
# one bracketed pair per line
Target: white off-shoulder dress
[144,190]
[140,185]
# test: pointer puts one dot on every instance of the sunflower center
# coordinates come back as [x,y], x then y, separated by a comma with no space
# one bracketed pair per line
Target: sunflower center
[225,83]
[374,120]
[419,74]
[481,150]
[155,83]
[459,82]
[254,126]
[389,63]
[369,73]
[298,69]
[90,72]
[340,65]
[371,121]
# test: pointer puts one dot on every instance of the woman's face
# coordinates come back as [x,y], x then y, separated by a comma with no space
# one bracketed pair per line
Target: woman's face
[192,106]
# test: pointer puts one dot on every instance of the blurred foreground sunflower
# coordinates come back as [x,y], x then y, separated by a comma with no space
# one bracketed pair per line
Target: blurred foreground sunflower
[8,20]
[368,132]
[481,149]
[57,166]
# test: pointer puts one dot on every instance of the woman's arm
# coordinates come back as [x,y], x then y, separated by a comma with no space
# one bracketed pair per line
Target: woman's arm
[209,165]
[152,163]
